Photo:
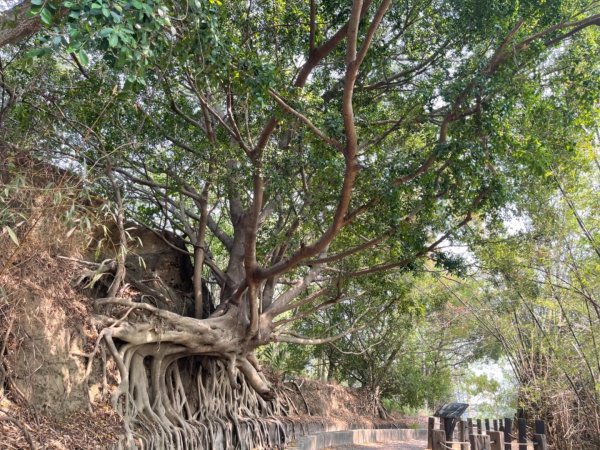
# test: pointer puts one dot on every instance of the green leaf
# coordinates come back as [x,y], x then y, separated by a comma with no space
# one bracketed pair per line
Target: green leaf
[105,32]
[113,41]
[12,234]
[83,58]
[46,16]
[37,52]
[116,17]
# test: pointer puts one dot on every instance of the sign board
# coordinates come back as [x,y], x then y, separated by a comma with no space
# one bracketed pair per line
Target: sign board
[452,410]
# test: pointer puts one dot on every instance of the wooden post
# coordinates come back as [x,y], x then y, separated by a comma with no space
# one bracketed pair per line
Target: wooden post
[470,426]
[501,422]
[479,442]
[487,426]
[444,425]
[540,427]
[439,440]
[539,442]
[508,434]
[495,426]
[463,434]
[478,426]
[522,424]
[430,428]
[496,440]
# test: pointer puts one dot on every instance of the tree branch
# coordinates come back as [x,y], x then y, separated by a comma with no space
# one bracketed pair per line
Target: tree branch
[16,24]
[328,140]
[280,303]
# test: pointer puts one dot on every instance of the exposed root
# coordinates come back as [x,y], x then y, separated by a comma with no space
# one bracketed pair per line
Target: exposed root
[188,383]
[302,395]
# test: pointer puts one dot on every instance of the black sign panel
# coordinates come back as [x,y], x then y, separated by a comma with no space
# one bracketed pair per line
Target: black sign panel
[452,410]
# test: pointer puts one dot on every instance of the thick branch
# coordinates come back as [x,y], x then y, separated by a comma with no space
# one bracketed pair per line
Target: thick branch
[303,340]
[300,303]
[280,304]
[16,24]
[199,253]
[351,167]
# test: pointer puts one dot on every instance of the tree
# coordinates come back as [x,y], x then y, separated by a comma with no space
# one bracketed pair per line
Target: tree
[541,305]
[539,288]
[301,149]
[416,338]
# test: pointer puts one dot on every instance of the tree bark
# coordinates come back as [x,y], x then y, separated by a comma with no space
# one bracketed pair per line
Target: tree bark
[15,25]
[199,252]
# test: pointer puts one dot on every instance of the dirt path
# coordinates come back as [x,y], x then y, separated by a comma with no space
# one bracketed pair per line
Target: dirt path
[404,445]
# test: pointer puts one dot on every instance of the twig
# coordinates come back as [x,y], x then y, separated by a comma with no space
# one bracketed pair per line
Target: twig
[21,427]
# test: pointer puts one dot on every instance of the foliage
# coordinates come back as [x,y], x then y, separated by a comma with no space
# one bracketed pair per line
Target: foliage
[313,155]
[417,338]
[541,301]
[286,358]
[490,389]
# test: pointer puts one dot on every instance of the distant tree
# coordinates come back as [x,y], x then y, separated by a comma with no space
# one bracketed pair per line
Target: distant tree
[539,297]
[415,335]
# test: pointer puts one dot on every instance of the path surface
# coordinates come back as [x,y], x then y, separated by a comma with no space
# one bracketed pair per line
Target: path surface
[404,445]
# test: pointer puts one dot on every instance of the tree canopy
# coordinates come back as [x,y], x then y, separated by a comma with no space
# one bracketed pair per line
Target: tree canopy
[309,153]
[349,140]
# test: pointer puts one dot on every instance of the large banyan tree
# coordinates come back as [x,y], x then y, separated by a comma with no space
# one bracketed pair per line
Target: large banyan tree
[307,152]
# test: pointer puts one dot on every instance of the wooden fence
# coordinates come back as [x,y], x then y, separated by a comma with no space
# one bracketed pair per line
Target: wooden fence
[496,434]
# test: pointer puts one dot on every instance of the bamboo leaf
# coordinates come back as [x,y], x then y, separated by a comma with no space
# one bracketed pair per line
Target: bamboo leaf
[12,235]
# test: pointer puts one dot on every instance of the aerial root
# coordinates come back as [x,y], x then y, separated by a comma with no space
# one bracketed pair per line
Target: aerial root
[187,383]
[171,399]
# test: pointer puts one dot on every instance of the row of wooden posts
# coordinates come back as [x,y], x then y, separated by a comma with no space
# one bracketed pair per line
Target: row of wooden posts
[497,434]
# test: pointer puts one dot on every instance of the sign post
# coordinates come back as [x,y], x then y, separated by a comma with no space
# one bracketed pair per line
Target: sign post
[451,414]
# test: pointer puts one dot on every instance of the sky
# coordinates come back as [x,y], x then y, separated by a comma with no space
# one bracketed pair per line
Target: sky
[7,4]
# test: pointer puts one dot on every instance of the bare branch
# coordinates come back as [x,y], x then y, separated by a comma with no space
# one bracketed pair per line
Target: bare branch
[297,304]
[331,141]
[385,5]
[205,104]
[225,239]
[313,26]
[351,251]
[321,52]
[303,340]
